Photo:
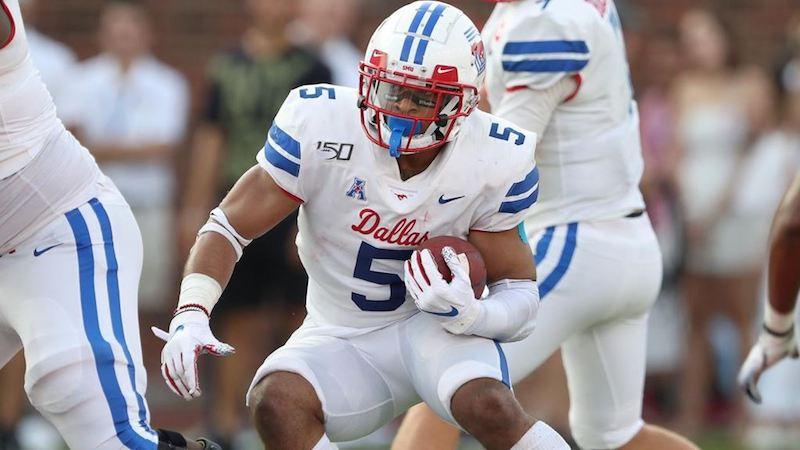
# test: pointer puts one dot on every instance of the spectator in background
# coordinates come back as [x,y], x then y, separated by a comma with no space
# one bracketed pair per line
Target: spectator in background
[131,110]
[247,86]
[719,112]
[54,60]
[327,28]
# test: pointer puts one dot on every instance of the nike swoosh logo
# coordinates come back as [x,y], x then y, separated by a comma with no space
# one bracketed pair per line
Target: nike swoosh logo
[443,200]
[37,252]
[452,313]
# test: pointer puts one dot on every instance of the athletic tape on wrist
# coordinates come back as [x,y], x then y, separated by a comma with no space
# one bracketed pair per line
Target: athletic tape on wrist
[776,322]
[200,292]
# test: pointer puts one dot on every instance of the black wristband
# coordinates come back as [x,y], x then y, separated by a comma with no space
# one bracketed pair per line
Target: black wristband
[779,334]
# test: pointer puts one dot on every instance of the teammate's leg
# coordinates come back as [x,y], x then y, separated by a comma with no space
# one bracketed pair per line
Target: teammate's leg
[605,372]
[77,319]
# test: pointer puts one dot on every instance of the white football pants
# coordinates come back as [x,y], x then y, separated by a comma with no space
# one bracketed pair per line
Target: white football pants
[597,282]
[68,297]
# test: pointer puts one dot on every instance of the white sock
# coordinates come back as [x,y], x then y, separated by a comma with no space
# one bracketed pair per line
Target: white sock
[325,444]
[541,437]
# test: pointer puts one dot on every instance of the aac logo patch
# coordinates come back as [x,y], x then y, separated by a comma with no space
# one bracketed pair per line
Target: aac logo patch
[358,189]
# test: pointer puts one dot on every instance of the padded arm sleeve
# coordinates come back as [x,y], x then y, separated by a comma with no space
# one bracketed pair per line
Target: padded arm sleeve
[509,312]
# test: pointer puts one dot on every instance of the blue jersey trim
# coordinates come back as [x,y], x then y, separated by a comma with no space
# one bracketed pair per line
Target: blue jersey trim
[112,283]
[101,350]
[522,204]
[429,26]
[531,47]
[545,65]
[406,51]
[280,161]
[544,244]
[285,141]
[551,280]
[503,365]
[525,185]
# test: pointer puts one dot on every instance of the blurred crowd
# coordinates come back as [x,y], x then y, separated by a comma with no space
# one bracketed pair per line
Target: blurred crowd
[721,141]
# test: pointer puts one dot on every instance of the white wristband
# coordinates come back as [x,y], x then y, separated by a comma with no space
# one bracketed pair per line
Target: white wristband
[776,321]
[198,291]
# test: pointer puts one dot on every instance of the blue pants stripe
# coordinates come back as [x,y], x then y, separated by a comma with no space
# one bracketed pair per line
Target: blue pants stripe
[544,244]
[101,349]
[503,365]
[551,280]
[112,281]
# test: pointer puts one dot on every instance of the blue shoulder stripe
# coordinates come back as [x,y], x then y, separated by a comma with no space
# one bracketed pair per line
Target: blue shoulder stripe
[280,161]
[406,51]
[525,185]
[429,26]
[283,139]
[545,65]
[528,47]
[516,206]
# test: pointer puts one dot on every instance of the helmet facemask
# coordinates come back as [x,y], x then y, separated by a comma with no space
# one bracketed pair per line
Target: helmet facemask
[408,114]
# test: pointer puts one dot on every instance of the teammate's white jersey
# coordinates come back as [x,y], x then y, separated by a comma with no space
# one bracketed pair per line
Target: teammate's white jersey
[359,221]
[44,172]
[589,155]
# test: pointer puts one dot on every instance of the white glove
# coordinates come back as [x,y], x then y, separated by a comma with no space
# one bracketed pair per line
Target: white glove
[770,348]
[453,303]
[189,337]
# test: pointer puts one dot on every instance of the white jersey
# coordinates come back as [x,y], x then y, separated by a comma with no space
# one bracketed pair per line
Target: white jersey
[359,221]
[589,155]
[44,172]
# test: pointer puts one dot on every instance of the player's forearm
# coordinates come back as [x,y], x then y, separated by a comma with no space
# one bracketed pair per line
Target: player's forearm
[212,255]
[509,313]
[784,266]
[784,276]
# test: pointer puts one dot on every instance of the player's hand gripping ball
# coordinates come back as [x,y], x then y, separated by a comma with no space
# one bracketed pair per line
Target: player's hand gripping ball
[445,276]
[469,255]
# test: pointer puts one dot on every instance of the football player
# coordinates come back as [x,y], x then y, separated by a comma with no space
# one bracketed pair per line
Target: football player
[558,68]
[777,339]
[70,259]
[375,172]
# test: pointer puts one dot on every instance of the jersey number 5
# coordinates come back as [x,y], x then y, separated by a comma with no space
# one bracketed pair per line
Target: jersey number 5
[317,92]
[363,271]
[506,134]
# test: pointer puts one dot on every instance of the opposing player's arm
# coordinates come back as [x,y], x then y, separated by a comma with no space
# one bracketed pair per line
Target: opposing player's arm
[777,339]
[784,278]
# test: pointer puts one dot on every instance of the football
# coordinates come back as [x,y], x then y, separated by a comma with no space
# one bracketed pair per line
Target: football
[477,268]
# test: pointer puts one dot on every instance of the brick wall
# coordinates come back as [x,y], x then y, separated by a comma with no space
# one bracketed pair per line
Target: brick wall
[189,31]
